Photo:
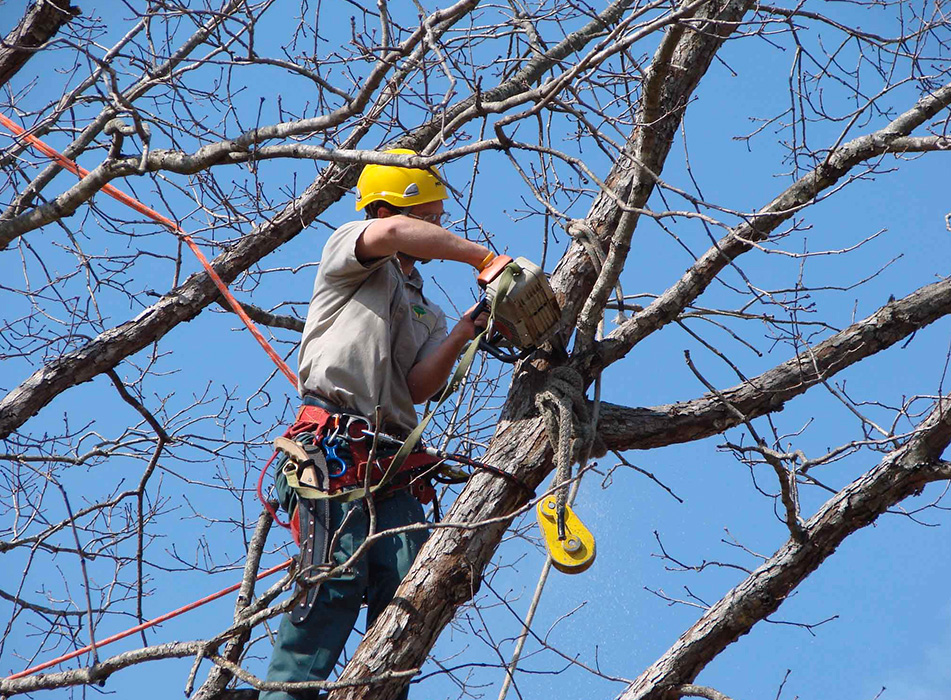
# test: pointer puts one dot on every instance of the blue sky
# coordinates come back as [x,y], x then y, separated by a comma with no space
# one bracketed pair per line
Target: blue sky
[884,587]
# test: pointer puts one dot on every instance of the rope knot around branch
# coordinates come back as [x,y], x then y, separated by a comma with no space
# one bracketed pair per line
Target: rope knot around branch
[564,408]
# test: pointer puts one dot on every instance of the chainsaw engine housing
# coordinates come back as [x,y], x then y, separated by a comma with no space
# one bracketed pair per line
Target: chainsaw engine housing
[528,314]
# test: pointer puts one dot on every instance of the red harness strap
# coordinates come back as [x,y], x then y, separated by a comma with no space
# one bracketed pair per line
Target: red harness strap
[318,421]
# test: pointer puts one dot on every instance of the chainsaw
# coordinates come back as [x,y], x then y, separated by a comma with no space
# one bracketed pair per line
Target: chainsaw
[524,310]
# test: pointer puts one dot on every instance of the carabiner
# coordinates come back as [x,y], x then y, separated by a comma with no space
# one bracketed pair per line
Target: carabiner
[330,450]
[335,435]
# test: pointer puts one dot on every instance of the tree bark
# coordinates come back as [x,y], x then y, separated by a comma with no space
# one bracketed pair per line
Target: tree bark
[39,25]
[448,571]
[624,428]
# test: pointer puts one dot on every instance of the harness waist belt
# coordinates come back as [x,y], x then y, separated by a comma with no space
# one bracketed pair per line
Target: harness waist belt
[320,402]
[315,418]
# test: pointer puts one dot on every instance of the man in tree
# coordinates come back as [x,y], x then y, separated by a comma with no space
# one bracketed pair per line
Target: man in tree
[373,344]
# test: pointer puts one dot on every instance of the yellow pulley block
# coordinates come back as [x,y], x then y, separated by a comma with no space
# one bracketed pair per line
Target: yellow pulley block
[576,552]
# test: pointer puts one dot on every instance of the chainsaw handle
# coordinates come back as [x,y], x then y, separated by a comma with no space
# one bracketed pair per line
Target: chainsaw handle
[507,356]
[493,269]
[482,307]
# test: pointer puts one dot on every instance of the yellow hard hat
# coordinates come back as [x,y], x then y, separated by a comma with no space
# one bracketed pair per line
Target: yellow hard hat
[401,187]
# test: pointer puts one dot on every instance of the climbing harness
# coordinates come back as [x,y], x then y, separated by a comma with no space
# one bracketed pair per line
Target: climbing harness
[339,442]
[326,455]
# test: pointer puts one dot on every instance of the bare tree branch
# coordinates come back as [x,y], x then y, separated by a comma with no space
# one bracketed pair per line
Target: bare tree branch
[645,428]
[902,473]
[40,23]
[801,194]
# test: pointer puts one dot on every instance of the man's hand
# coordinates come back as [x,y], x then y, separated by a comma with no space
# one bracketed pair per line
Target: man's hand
[468,327]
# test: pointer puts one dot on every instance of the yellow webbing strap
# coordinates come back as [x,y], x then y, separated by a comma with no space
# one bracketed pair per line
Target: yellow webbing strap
[296,456]
[301,490]
[462,370]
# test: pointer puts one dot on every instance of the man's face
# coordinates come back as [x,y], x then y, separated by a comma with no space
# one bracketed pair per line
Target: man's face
[430,211]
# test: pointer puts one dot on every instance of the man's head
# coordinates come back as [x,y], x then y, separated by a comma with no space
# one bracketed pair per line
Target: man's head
[385,190]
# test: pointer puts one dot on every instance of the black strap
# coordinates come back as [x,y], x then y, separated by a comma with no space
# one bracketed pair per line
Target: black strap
[319,402]
[314,515]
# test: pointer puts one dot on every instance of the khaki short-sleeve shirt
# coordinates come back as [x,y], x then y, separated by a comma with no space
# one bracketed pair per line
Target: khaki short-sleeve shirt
[367,325]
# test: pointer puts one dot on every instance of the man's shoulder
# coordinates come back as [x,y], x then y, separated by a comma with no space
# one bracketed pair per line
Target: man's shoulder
[350,229]
[338,260]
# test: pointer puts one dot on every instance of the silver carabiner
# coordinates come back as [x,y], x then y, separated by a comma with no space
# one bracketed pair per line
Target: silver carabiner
[335,435]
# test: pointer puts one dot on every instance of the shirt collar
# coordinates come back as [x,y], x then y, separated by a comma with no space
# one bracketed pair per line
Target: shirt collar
[414,280]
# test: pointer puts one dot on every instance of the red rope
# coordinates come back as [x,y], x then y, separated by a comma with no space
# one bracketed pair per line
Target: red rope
[145,625]
[267,504]
[135,204]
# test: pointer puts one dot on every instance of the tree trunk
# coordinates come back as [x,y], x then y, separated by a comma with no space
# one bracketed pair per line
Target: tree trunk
[39,25]
[448,571]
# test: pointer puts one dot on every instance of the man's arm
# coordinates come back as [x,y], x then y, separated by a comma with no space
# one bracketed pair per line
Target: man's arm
[429,375]
[417,238]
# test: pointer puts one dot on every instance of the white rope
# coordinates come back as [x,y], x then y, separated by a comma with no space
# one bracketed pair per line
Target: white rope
[581,231]
[546,568]
[564,409]
[562,403]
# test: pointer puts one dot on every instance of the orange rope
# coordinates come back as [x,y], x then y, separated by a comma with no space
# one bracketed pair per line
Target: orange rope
[145,625]
[135,204]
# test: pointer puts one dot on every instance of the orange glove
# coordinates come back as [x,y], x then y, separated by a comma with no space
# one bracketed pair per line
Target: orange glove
[493,269]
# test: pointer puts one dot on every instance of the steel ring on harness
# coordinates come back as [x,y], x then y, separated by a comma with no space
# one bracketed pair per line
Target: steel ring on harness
[355,427]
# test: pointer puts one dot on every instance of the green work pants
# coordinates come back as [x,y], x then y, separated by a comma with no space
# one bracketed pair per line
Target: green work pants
[309,651]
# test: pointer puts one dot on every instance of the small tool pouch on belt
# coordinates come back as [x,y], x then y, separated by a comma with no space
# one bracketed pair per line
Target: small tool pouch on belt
[305,468]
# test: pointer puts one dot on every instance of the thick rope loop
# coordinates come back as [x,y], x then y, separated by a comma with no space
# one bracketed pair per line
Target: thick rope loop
[564,408]
[584,233]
